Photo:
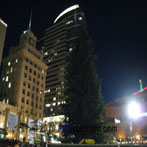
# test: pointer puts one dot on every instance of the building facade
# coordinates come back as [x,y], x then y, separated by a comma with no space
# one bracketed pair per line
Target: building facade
[56,42]
[3,28]
[23,79]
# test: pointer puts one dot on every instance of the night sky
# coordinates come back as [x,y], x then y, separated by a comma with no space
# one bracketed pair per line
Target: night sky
[118,29]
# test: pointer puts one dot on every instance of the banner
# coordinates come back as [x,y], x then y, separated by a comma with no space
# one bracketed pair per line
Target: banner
[12,121]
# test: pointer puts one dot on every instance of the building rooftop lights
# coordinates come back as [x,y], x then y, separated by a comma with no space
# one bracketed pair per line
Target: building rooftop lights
[66,11]
[3,22]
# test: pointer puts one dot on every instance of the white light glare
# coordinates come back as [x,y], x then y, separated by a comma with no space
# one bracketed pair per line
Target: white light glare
[134,110]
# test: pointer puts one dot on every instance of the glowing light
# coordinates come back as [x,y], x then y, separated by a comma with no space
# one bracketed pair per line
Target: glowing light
[3,22]
[139,91]
[48,105]
[134,110]
[141,87]
[117,121]
[66,11]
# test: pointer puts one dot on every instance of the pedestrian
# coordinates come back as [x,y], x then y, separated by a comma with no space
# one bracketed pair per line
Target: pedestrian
[17,144]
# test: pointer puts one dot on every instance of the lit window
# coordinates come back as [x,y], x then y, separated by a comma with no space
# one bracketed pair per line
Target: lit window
[49,90]
[9,63]
[58,103]
[7,101]
[62,102]
[59,93]
[16,60]
[70,49]
[54,98]
[54,104]
[6,78]
[49,60]
[80,18]
[68,22]
[51,109]
[42,70]
[3,78]
[46,53]
[7,72]
[9,86]
[11,70]
[55,54]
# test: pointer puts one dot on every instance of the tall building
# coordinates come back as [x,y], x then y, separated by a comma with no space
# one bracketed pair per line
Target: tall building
[23,78]
[3,28]
[56,42]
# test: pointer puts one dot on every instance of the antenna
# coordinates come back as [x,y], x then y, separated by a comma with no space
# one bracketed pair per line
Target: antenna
[30,22]
[141,86]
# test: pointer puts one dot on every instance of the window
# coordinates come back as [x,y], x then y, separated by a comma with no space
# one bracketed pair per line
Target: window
[33,88]
[24,83]
[36,98]
[25,75]
[37,89]
[30,78]
[32,104]
[6,78]
[40,107]
[33,80]
[30,70]
[34,72]
[27,59]
[22,100]
[9,63]
[37,82]
[28,93]
[27,101]
[22,109]
[32,95]
[36,105]
[29,85]
[42,78]
[47,105]
[26,67]
[16,60]
[23,91]
[9,85]
[38,75]
[11,70]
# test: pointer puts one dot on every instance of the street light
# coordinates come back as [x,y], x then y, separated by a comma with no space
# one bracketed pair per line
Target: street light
[134,110]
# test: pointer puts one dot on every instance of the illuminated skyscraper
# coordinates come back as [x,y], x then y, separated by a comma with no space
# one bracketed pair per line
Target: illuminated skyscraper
[56,43]
[3,28]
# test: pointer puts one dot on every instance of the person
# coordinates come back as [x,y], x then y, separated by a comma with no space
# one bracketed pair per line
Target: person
[17,144]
